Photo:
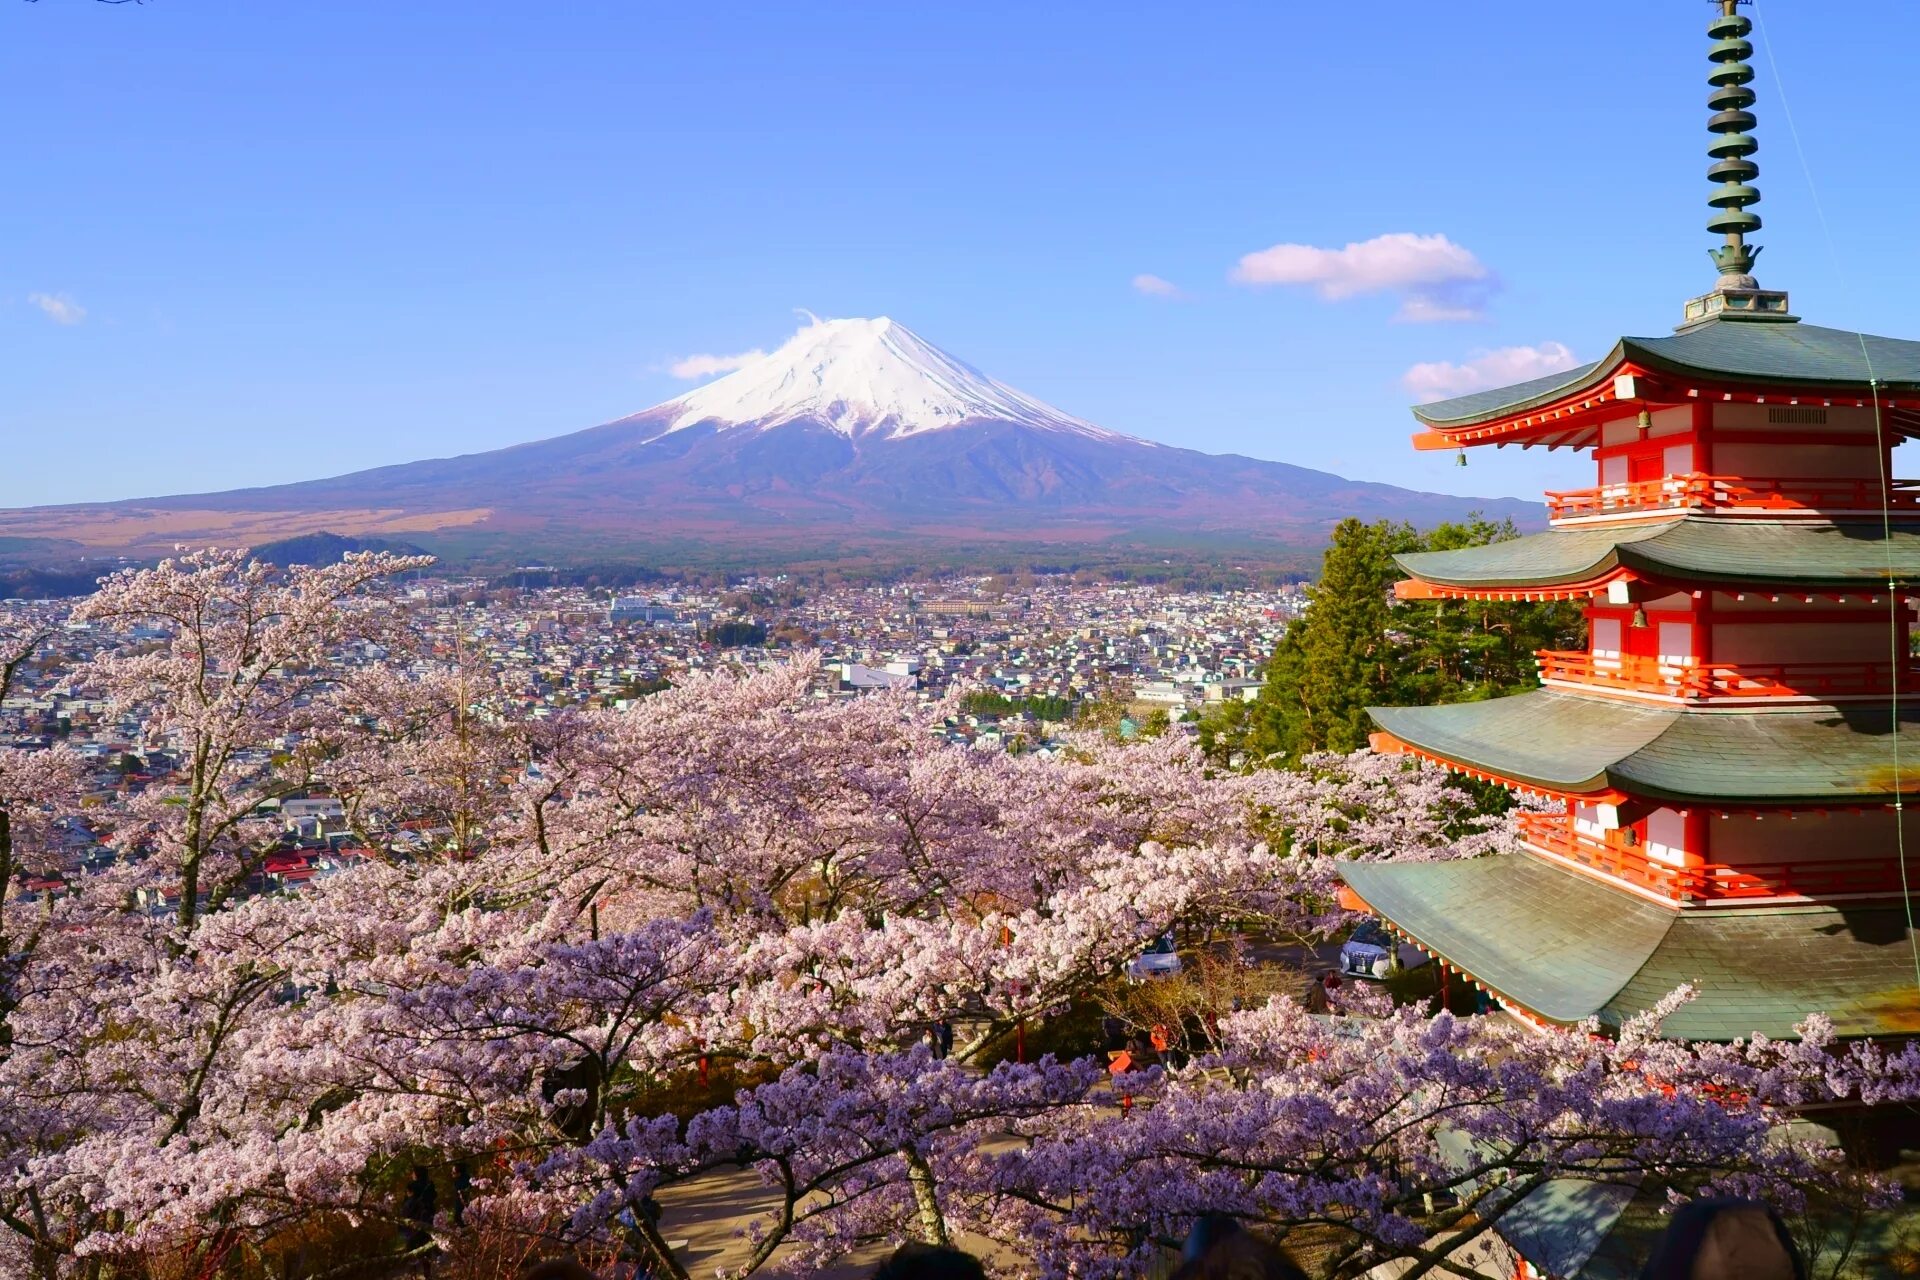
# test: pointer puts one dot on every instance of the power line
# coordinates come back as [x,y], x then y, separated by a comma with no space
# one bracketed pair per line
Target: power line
[1896,632]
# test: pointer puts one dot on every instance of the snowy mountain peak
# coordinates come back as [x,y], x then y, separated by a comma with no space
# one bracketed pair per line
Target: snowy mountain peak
[866,377]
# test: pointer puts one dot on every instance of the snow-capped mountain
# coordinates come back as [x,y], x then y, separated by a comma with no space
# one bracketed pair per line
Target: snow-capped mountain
[853,436]
[866,377]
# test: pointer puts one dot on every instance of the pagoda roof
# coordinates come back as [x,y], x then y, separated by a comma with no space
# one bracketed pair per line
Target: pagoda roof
[1688,549]
[1568,947]
[1577,744]
[1739,350]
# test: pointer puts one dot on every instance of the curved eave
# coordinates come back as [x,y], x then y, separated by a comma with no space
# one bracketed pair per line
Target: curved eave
[1790,359]
[1593,790]
[1740,361]
[1542,741]
[1554,390]
[1564,947]
[1599,748]
[1557,945]
[1825,557]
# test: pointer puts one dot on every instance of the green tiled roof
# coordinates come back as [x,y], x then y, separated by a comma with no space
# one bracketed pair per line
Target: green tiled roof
[1801,354]
[1696,549]
[1769,967]
[1558,943]
[1571,742]
[1568,947]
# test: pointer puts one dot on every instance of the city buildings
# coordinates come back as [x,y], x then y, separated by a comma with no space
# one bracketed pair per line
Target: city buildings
[1028,654]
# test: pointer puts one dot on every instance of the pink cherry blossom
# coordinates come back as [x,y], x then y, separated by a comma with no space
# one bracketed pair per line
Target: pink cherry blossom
[733,875]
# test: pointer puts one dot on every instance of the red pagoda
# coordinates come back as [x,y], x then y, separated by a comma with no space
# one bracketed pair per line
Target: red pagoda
[1727,759]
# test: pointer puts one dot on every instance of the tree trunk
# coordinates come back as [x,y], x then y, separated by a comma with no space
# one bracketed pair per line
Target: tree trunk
[933,1223]
[653,1247]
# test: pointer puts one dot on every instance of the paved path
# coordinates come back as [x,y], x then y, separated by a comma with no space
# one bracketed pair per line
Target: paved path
[705,1219]
[711,1213]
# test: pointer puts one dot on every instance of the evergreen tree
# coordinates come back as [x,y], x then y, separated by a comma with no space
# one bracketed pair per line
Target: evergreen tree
[1357,646]
[1338,660]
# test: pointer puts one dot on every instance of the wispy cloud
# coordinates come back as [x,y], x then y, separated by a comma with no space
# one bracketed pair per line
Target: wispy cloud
[1442,378]
[1434,278]
[58,307]
[1155,287]
[1441,306]
[706,366]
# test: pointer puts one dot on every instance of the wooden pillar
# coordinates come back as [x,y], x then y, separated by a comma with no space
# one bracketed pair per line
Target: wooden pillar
[1699,839]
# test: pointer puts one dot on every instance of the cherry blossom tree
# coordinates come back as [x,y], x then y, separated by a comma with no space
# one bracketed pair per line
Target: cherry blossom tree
[1393,1135]
[239,686]
[437,746]
[36,789]
[734,875]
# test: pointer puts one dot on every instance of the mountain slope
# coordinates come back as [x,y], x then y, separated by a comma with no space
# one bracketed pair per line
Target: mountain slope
[863,377]
[853,428]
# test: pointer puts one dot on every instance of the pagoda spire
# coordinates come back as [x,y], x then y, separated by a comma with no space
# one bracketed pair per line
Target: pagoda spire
[1738,294]
[1733,144]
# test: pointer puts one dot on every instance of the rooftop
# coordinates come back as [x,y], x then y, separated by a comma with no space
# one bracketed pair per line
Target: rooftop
[1570,948]
[1575,744]
[1689,549]
[1803,355]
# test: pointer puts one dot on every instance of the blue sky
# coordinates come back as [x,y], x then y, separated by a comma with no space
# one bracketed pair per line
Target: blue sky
[258,242]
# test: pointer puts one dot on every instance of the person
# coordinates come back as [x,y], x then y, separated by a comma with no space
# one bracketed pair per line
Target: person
[1316,999]
[1219,1248]
[1725,1240]
[943,1038]
[417,1210]
[1141,1053]
[917,1261]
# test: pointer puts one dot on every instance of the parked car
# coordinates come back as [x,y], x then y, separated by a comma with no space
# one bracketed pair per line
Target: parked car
[1159,960]
[1369,953]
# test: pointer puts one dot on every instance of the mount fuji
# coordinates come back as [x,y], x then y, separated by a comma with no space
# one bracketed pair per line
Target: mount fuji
[854,434]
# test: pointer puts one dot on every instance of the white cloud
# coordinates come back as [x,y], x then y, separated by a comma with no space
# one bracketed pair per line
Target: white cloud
[1154,287]
[1421,308]
[705,366]
[58,307]
[1441,379]
[1435,278]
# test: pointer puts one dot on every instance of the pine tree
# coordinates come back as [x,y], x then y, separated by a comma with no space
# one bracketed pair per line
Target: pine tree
[1357,646]
[1340,658]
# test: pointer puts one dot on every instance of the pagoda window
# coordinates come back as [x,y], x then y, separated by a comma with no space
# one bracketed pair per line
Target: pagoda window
[1607,636]
[1675,644]
[1666,837]
[1613,478]
[1587,821]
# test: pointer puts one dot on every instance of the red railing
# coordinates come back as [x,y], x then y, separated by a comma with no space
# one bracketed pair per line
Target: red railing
[1703,680]
[1699,491]
[1614,854]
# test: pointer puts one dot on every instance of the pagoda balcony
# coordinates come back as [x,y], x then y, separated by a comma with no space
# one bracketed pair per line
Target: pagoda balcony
[1711,681]
[1616,855]
[1698,492]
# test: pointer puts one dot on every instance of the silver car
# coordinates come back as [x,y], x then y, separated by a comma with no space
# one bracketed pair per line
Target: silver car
[1369,953]
[1159,960]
